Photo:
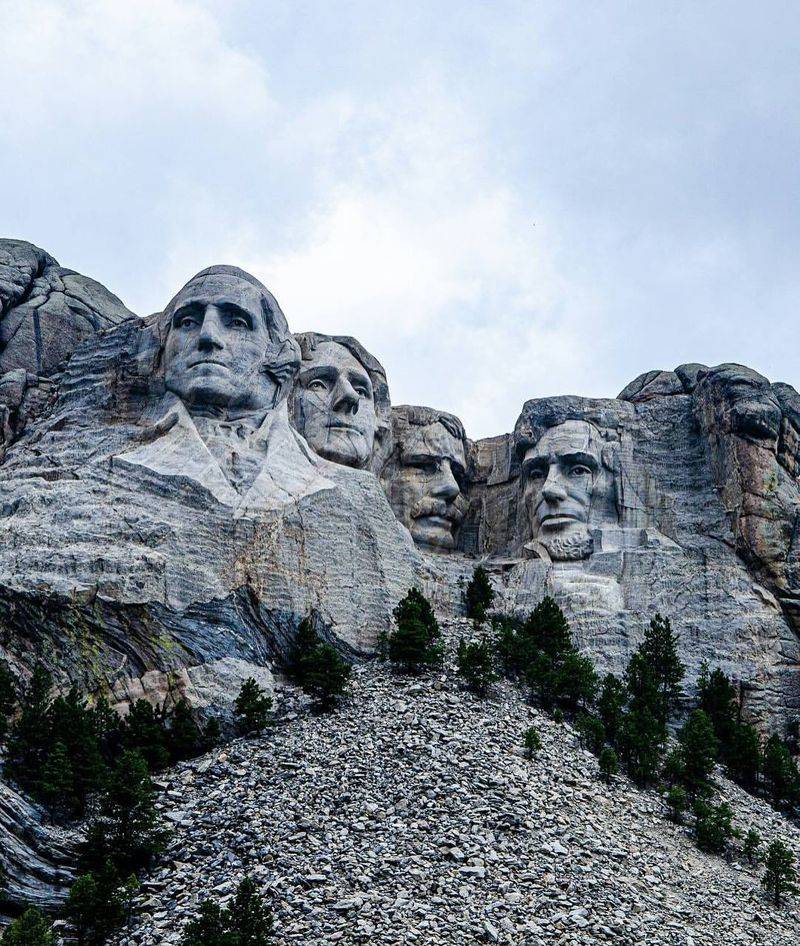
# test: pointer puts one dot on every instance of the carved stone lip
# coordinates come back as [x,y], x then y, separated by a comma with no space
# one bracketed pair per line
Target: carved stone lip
[557,519]
[207,361]
[442,522]
[343,425]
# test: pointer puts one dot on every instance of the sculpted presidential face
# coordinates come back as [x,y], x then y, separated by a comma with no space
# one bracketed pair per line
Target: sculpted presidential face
[214,356]
[334,405]
[425,487]
[561,475]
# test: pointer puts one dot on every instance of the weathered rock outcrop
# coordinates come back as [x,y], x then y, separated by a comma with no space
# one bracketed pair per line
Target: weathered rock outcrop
[45,312]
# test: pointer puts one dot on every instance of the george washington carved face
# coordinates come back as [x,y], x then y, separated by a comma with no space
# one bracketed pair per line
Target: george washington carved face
[228,347]
[562,474]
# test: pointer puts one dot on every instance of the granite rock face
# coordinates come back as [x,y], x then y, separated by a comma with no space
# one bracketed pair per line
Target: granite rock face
[676,497]
[164,514]
[45,312]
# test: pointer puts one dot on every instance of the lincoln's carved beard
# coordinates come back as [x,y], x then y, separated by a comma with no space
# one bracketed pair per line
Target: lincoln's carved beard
[570,546]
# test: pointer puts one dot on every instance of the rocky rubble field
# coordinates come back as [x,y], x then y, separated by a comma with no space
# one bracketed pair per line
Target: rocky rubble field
[412,816]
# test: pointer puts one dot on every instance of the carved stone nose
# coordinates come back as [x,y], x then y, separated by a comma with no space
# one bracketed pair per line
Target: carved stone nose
[344,397]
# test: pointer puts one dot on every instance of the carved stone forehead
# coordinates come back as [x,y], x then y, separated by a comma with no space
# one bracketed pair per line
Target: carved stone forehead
[219,285]
[573,436]
[431,440]
[332,353]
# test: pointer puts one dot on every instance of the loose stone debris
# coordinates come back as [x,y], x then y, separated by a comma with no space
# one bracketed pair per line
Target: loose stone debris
[412,816]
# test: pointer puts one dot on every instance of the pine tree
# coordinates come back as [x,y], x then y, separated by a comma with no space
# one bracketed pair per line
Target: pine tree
[57,783]
[532,741]
[717,698]
[126,831]
[29,739]
[699,747]
[326,675]
[144,730]
[751,846]
[306,639]
[99,902]
[475,661]
[743,755]
[414,644]
[660,650]
[592,732]
[30,929]
[184,738]
[253,706]
[677,802]
[250,918]
[608,764]
[642,733]
[480,595]
[246,922]
[8,697]
[507,644]
[713,826]
[780,873]
[780,772]
[611,704]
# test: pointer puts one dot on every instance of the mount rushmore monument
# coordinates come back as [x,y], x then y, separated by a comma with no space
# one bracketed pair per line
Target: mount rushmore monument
[178,491]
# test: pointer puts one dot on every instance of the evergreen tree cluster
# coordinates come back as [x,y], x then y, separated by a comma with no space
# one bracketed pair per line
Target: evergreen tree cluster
[476,664]
[479,595]
[317,667]
[415,643]
[246,922]
[62,751]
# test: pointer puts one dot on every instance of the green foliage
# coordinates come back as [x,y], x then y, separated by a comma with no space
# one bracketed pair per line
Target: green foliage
[476,664]
[713,828]
[592,732]
[325,675]
[507,644]
[780,773]
[29,741]
[780,873]
[8,697]
[699,748]
[608,764]
[558,715]
[126,831]
[99,902]
[611,704]
[253,706]
[739,742]
[306,639]
[246,922]
[532,742]
[30,929]
[145,731]
[640,739]
[660,651]
[414,644]
[555,671]
[480,595]
[185,739]
[677,802]
[751,846]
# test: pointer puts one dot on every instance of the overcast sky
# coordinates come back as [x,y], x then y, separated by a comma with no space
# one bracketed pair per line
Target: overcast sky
[501,200]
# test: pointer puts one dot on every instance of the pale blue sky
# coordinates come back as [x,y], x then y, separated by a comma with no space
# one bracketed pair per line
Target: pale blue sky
[500,200]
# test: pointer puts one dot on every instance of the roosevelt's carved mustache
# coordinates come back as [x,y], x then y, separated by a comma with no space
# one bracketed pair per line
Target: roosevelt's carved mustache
[437,507]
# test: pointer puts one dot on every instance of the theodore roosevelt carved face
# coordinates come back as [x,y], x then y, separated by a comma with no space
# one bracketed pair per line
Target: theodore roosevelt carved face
[424,477]
[562,473]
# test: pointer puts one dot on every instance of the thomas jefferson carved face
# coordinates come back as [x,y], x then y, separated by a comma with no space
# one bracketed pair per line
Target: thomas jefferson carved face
[561,474]
[215,356]
[425,489]
[334,405]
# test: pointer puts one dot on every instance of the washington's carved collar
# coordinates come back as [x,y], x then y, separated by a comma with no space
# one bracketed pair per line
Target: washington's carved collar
[243,463]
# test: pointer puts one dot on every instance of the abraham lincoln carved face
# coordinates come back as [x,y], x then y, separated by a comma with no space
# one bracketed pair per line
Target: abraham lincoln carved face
[562,474]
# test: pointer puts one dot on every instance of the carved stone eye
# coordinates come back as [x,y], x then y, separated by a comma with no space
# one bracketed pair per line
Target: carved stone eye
[317,385]
[580,470]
